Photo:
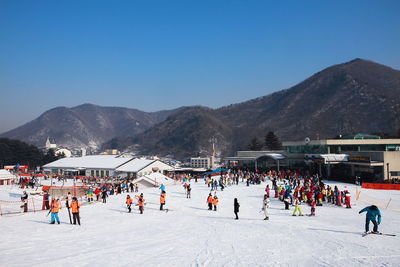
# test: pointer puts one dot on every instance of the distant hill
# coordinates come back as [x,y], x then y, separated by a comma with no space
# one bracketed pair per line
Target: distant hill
[86,125]
[357,96]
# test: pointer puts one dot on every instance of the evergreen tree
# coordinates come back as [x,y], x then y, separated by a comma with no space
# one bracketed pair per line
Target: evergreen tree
[272,142]
[255,144]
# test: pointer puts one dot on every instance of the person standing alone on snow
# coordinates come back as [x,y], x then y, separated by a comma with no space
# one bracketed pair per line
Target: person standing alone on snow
[297,207]
[188,192]
[265,206]
[236,206]
[372,214]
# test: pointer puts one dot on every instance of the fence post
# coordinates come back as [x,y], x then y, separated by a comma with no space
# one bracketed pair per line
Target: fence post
[33,203]
[1,213]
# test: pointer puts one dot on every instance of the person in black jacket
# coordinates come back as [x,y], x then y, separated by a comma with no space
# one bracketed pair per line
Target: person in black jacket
[236,206]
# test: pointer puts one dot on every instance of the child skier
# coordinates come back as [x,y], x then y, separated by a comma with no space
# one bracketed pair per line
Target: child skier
[55,207]
[265,206]
[188,193]
[215,202]
[128,203]
[347,199]
[313,205]
[297,207]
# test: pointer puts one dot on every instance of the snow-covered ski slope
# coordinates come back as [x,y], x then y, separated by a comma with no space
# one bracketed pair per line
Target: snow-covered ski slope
[190,235]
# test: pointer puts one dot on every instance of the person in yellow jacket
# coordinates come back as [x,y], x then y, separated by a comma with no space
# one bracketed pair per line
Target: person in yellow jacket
[297,207]
[163,196]
[215,202]
[75,206]
[55,207]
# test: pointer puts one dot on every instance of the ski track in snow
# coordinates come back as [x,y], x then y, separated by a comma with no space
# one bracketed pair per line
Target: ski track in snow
[190,235]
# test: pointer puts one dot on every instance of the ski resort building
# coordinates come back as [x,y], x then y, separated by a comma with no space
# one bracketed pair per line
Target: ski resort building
[105,166]
[366,156]
[7,178]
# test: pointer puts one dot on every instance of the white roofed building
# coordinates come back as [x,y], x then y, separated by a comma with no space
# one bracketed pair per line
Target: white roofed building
[141,167]
[106,165]
[94,165]
[6,178]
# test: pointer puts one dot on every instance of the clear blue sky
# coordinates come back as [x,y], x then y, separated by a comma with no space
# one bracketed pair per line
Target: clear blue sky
[154,55]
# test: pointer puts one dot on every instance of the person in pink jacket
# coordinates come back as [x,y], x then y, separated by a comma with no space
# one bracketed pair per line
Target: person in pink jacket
[267,191]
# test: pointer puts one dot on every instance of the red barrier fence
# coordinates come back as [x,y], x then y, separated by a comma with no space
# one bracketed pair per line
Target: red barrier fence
[381,186]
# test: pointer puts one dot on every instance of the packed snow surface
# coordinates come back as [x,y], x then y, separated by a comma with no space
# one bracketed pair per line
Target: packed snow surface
[190,235]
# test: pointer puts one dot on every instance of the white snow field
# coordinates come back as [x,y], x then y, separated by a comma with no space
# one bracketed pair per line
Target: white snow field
[190,235]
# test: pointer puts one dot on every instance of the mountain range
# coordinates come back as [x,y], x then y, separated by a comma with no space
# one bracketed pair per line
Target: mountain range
[357,96]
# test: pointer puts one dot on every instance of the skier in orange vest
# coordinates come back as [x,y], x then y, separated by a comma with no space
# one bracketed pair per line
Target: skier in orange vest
[210,201]
[75,206]
[162,199]
[129,203]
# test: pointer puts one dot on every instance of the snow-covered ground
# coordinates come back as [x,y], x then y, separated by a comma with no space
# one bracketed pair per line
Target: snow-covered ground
[190,235]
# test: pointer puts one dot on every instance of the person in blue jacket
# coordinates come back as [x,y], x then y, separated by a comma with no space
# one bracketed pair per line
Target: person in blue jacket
[372,213]
[162,187]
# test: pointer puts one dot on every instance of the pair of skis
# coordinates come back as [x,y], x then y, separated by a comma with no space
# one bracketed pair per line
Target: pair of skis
[378,233]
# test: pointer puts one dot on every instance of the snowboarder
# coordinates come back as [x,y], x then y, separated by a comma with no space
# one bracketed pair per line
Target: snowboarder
[75,206]
[55,207]
[162,199]
[372,213]
[209,201]
[265,206]
[128,203]
[297,207]
[215,202]
[236,206]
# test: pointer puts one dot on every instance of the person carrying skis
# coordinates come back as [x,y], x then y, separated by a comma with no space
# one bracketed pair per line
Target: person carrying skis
[128,203]
[236,206]
[75,206]
[215,202]
[162,199]
[55,207]
[297,207]
[372,214]
[209,201]
[265,206]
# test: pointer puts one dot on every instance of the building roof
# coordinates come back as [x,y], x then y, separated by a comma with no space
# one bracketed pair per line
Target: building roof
[343,142]
[362,136]
[89,162]
[4,174]
[135,165]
